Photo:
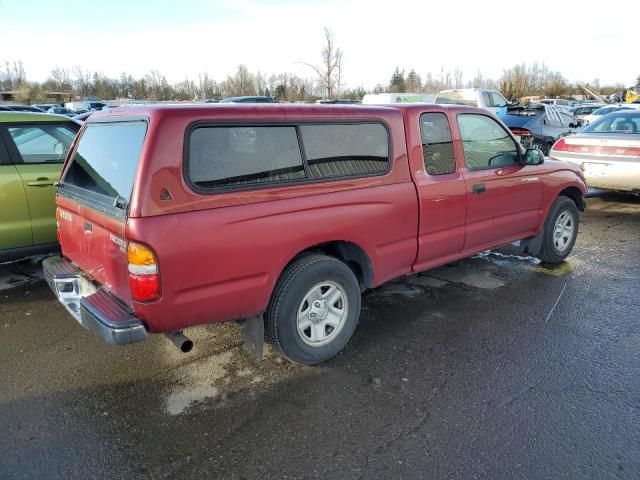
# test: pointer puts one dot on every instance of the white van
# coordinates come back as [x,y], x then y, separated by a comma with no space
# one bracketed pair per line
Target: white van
[491,100]
[386,98]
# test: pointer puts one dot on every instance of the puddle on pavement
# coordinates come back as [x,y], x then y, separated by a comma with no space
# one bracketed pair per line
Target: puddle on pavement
[502,259]
[557,270]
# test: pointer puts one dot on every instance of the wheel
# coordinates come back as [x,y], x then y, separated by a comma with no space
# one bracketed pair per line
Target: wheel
[560,231]
[314,309]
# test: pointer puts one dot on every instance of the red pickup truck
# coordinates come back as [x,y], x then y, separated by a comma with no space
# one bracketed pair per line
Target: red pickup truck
[172,216]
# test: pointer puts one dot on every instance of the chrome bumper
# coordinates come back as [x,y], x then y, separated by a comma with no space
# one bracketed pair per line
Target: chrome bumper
[92,307]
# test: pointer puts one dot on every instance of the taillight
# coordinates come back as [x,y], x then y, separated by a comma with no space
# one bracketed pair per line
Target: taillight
[560,145]
[144,280]
[521,131]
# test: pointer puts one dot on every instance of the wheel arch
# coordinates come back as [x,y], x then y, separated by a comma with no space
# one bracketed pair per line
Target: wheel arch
[352,254]
[574,194]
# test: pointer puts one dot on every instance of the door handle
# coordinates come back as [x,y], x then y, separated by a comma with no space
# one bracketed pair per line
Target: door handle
[479,188]
[40,182]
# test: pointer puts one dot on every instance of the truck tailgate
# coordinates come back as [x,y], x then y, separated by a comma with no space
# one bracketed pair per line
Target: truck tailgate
[96,243]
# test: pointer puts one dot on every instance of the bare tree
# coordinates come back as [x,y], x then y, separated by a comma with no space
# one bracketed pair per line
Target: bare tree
[12,76]
[339,74]
[61,78]
[457,78]
[82,82]
[331,66]
[242,83]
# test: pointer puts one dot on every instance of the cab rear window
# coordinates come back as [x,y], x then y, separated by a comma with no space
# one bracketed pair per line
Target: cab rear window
[106,159]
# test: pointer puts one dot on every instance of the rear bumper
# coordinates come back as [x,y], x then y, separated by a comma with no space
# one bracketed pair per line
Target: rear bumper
[92,307]
[618,173]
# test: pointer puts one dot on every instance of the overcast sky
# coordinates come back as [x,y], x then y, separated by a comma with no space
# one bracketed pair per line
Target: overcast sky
[187,37]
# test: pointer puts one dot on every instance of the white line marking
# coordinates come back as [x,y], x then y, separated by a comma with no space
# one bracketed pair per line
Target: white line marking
[556,304]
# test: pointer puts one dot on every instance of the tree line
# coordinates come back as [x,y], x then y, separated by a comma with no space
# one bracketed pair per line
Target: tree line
[516,82]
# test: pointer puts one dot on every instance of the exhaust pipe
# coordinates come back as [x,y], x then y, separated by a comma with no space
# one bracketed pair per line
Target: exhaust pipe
[180,341]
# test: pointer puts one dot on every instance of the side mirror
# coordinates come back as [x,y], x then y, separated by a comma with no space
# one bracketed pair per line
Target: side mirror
[533,156]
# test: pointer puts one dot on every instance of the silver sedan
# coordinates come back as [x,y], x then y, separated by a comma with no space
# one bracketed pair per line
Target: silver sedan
[608,151]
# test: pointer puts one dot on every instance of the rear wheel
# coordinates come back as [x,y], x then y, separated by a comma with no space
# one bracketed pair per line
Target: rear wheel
[314,309]
[560,231]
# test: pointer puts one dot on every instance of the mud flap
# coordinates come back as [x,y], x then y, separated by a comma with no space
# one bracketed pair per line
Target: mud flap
[532,245]
[254,336]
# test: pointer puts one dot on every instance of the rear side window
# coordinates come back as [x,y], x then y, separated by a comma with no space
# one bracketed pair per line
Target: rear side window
[437,145]
[228,156]
[42,143]
[106,159]
[346,150]
[220,156]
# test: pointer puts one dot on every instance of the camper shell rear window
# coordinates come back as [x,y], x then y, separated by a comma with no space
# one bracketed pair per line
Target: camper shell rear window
[104,164]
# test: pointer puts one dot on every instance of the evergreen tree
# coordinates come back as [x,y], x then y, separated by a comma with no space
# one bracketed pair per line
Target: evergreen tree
[397,83]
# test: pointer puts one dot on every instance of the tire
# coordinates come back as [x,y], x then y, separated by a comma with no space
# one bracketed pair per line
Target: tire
[299,297]
[557,246]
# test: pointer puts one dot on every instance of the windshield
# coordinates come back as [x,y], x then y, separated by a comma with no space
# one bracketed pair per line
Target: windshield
[617,122]
[106,159]
[458,97]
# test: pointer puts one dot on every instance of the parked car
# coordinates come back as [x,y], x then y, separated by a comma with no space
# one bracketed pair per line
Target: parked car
[85,105]
[539,126]
[254,99]
[82,117]
[608,151]
[183,215]
[32,149]
[23,108]
[606,110]
[339,101]
[490,100]
[560,103]
[61,111]
[582,111]
[45,106]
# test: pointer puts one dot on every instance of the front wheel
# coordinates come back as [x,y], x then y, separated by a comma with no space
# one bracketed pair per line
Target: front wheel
[560,231]
[314,309]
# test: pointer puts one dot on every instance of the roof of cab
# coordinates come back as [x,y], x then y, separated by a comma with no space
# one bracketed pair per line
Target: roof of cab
[34,117]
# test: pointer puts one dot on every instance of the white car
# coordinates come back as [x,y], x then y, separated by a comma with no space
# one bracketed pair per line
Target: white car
[491,100]
[608,151]
[609,109]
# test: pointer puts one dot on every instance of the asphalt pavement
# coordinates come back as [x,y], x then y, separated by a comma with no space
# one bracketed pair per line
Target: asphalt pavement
[495,367]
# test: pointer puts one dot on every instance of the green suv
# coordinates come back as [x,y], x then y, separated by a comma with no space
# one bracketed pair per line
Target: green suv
[33,147]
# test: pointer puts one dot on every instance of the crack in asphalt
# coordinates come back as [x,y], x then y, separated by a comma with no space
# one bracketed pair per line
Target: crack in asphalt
[424,416]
